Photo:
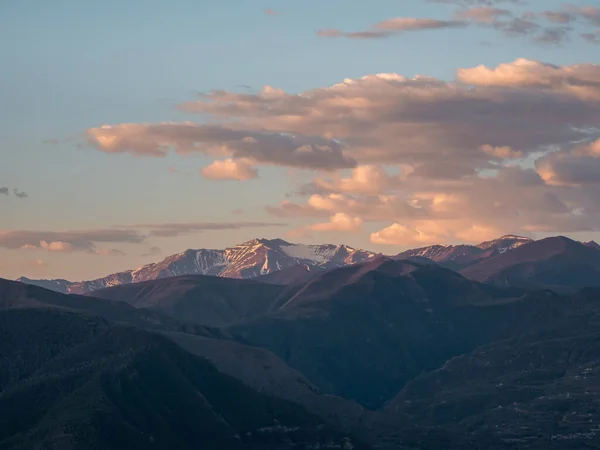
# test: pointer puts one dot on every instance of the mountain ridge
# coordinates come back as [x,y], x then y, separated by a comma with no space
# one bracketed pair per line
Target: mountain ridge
[249,259]
[276,261]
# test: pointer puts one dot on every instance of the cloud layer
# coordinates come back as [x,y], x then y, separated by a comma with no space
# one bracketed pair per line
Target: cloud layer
[541,26]
[93,241]
[511,148]
[16,192]
[291,150]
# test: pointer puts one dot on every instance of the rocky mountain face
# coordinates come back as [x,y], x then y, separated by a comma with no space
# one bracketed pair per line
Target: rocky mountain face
[460,256]
[248,260]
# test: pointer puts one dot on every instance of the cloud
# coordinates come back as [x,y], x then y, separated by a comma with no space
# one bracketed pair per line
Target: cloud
[553,35]
[291,150]
[389,118]
[558,16]
[178,229]
[511,200]
[433,232]
[92,241]
[57,246]
[475,2]
[516,26]
[152,251]
[39,263]
[20,194]
[364,179]
[580,80]
[589,14]
[370,207]
[577,166]
[483,14]
[270,12]
[67,241]
[392,27]
[229,169]
[501,153]
[498,149]
[397,234]
[339,222]
[592,38]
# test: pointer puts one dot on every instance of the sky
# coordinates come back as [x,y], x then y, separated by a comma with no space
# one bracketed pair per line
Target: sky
[135,129]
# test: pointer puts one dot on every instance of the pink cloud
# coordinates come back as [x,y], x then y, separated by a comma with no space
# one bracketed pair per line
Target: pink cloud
[229,169]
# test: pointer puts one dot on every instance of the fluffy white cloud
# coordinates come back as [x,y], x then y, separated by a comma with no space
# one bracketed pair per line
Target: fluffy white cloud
[57,246]
[229,169]
[364,179]
[580,80]
[339,222]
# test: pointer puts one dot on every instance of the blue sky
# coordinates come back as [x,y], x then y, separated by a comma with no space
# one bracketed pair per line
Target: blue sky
[69,66]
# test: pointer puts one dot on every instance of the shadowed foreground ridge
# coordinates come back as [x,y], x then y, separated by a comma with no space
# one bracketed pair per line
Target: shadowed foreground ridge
[113,387]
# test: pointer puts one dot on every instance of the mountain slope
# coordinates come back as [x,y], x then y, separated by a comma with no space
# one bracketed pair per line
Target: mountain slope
[460,256]
[16,295]
[200,299]
[556,263]
[363,331]
[537,389]
[248,260]
[255,367]
[122,387]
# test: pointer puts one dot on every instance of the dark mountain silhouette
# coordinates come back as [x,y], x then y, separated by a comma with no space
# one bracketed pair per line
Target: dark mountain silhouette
[116,387]
[256,367]
[290,275]
[16,295]
[361,332]
[536,389]
[556,263]
[201,299]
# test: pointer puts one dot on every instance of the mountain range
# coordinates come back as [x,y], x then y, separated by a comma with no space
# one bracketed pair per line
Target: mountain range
[279,262]
[391,353]
[247,260]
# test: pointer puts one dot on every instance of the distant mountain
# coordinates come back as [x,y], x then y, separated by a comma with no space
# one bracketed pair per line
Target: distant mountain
[460,256]
[58,285]
[557,263]
[69,382]
[592,244]
[248,260]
